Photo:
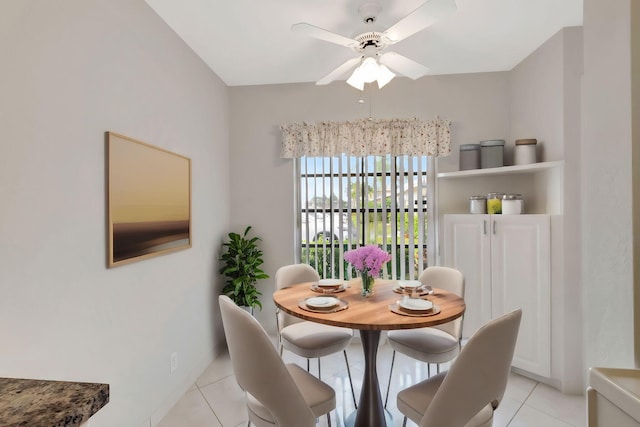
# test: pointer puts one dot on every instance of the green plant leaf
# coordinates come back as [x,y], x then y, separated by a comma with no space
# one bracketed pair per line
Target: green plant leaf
[241,260]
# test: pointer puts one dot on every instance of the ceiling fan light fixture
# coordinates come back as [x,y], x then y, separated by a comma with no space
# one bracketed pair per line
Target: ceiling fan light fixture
[356,79]
[368,72]
[385,75]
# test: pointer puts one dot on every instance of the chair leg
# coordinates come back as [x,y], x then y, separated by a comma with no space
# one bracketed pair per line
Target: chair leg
[429,370]
[329,419]
[248,423]
[353,393]
[393,358]
[438,368]
[319,375]
[404,422]
[308,365]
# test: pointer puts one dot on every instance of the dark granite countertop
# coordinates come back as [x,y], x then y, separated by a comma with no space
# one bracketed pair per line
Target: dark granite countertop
[41,403]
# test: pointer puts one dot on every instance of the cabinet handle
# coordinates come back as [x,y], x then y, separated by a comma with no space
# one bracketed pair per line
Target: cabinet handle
[484,222]
[494,227]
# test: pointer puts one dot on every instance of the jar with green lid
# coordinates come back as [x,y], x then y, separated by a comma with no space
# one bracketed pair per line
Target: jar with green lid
[494,203]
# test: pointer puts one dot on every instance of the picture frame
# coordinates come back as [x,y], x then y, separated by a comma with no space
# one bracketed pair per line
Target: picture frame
[149,200]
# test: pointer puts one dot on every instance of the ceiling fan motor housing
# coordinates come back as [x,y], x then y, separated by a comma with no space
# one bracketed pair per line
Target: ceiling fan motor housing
[371,38]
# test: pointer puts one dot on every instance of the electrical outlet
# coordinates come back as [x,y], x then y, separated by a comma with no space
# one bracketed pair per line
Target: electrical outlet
[174,362]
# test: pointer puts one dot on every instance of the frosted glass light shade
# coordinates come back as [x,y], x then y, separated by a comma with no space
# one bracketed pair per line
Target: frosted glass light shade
[368,72]
[356,79]
[384,76]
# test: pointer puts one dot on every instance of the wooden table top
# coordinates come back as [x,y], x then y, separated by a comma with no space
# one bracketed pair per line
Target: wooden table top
[370,313]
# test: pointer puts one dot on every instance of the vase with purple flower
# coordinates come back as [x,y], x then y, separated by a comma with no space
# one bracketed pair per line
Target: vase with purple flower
[367,261]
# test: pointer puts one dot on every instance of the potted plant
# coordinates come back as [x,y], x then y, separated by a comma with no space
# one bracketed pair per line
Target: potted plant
[241,260]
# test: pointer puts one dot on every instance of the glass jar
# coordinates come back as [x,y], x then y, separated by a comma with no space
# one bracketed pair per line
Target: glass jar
[512,204]
[478,204]
[494,203]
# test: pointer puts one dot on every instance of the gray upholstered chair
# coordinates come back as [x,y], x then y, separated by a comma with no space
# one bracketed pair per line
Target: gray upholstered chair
[471,390]
[304,338]
[437,344]
[277,394]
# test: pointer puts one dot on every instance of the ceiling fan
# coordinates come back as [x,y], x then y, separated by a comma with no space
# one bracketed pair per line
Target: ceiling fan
[373,58]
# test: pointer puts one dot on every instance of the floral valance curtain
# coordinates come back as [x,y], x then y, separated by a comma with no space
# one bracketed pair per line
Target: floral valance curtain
[367,137]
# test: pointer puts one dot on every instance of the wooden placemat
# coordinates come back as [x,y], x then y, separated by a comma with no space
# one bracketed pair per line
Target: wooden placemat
[396,309]
[327,290]
[342,304]
[407,291]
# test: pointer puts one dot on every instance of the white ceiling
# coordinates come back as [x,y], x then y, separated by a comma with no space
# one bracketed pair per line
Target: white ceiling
[249,42]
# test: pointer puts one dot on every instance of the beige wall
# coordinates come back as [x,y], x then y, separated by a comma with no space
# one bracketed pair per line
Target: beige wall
[545,104]
[262,182]
[71,70]
[635,119]
[536,100]
[607,231]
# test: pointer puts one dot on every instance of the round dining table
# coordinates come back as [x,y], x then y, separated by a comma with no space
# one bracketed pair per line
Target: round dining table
[370,315]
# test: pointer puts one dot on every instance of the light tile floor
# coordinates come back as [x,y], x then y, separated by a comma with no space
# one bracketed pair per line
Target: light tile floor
[216,400]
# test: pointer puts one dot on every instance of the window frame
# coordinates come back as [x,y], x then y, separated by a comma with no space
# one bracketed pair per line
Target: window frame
[430,236]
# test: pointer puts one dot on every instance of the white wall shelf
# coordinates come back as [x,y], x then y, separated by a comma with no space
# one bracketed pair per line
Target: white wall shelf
[505,170]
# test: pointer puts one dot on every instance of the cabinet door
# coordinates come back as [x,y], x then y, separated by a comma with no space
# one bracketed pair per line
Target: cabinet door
[521,278]
[467,248]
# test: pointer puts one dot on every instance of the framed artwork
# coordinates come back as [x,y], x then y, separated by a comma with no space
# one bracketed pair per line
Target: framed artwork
[149,200]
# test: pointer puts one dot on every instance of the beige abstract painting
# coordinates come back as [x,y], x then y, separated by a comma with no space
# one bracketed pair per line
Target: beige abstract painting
[149,200]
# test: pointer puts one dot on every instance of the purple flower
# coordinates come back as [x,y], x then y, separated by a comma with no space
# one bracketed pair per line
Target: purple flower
[367,259]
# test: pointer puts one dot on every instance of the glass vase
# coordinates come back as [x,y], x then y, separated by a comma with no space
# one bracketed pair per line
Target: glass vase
[367,284]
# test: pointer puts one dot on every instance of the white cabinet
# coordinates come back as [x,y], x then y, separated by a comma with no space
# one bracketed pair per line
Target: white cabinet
[467,247]
[506,262]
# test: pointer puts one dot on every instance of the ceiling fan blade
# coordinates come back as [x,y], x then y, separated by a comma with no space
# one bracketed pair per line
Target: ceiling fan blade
[322,34]
[335,74]
[403,65]
[427,14]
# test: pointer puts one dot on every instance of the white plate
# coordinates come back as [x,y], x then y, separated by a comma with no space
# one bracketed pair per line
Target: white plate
[415,304]
[409,284]
[329,283]
[322,302]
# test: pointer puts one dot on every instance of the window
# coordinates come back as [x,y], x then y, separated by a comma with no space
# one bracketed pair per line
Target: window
[345,202]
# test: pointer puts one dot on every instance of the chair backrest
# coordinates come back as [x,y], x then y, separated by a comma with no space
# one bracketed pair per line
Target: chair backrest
[259,370]
[450,280]
[290,275]
[478,376]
